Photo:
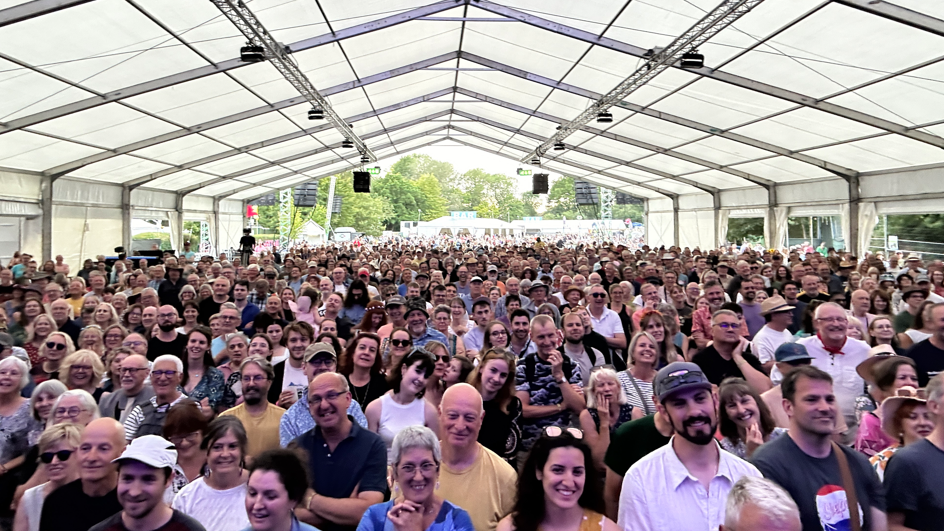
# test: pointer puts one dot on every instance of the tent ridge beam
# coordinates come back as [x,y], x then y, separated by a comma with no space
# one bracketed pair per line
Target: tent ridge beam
[36,8]
[897,13]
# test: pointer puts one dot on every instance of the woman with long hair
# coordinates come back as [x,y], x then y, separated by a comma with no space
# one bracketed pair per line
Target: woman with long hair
[921,329]
[399,345]
[104,315]
[637,379]
[937,282]
[201,380]
[885,373]
[559,461]
[781,275]
[403,405]
[217,500]
[882,332]
[260,345]
[607,410]
[289,306]
[21,326]
[362,365]
[112,375]
[190,315]
[374,318]
[458,371]
[672,323]
[746,422]
[131,319]
[41,403]
[494,378]
[43,326]
[113,336]
[881,303]
[184,426]
[83,369]
[92,338]
[434,385]
[57,346]
[119,301]
[274,331]
[497,335]
[652,321]
[621,305]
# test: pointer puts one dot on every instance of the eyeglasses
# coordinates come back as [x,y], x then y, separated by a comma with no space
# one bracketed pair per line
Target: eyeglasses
[557,431]
[63,455]
[71,412]
[189,437]
[131,370]
[831,319]
[259,378]
[401,342]
[598,295]
[133,344]
[728,326]
[55,346]
[410,469]
[330,396]
[322,362]
[161,374]
[500,332]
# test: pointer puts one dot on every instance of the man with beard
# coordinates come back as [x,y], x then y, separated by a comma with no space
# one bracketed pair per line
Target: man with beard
[168,340]
[521,344]
[132,392]
[585,356]
[290,380]
[730,354]
[79,505]
[701,318]
[259,417]
[319,359]
[467,466]
[808,464]
[512,287]
[211,305]
[750,309]
[145,469]
[347,463]
[416,323]
[691,474]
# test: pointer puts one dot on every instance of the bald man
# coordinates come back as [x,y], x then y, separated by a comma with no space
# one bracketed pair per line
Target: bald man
[93,497]
[167,340]
[467,466]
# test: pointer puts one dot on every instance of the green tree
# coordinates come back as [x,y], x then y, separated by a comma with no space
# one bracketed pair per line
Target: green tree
[363,212]
[402,194]
[750,229]
[431,197]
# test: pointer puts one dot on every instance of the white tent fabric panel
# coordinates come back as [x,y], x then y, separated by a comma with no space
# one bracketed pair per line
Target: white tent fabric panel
[697,229]
[79,232]
[868,218]
[820,191]
[660,227]
[915,206]
[231,229]
[887,186]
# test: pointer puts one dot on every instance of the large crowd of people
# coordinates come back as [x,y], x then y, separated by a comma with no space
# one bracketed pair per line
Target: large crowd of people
[491,384]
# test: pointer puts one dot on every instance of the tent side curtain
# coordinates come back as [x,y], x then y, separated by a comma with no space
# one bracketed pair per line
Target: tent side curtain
[697,229]
[80,232]
[722,226]
[867,221]
[231,228]
[661,229]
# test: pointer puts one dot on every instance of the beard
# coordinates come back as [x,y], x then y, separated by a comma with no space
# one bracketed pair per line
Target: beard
[252,396]
[573,341]
[166,327]
[701,439]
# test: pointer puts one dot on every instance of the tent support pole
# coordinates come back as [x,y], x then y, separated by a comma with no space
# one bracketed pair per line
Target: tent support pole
[46,204]
[852,246]
[675,221]
[126,218]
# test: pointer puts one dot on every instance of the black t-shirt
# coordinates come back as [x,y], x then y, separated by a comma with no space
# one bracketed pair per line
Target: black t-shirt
[633,441]
[178,522]
[375,388]
[929,360]
[914,485]
[208,307]
[156,347]
[816,484]
[68,508]
[804,297]
[717,368]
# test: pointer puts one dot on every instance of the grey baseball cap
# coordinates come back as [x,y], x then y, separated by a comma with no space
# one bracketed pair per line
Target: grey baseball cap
[679,376]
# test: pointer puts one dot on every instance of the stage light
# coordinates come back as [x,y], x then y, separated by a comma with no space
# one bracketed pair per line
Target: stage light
[347,144]
[536,161]
[604,118]
[316,114]
[559,146]
[365,159]
[252,53]
[693,60]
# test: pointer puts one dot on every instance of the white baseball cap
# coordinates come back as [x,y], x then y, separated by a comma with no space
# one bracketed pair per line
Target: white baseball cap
[152,450]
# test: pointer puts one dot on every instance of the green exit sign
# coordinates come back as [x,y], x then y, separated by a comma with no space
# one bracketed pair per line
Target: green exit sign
[374,171]
[523,172]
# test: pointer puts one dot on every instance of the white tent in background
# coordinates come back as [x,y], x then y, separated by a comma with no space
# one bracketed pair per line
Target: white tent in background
[312,233]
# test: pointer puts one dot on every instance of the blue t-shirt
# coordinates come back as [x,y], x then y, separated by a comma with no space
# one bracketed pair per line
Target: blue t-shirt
[450,518]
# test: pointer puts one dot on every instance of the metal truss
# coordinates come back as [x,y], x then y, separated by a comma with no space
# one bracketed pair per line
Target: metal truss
[607,198]
[206,246]
[285,217]
[244,19]
[703,30]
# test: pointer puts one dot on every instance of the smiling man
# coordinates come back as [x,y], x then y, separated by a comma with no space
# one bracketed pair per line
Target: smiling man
[467,466]
[145,469]
[260,417]
[692,471]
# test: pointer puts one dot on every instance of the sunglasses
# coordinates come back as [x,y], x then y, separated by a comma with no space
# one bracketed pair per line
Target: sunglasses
[55,346]
[557,431]
[401,342]
[598,295]
[63,455]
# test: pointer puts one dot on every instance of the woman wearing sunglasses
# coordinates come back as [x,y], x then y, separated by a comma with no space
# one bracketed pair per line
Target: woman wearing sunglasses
[57,446]
[400,344]
[57,346]
[558,487]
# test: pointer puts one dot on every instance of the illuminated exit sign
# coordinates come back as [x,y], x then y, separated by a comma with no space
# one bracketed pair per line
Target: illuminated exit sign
[523,172]
[373,171]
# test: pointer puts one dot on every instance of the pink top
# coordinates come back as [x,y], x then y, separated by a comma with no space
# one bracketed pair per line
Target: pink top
[870,439]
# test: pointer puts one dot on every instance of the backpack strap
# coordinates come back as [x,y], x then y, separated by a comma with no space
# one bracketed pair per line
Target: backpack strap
[849,485]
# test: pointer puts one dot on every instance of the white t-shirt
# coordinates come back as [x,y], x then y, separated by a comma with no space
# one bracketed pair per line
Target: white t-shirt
[217,510]
[847,384]
[608,325]
[294,378]
[764,346]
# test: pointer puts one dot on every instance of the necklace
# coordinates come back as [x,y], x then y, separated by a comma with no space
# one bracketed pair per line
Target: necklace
[359,399]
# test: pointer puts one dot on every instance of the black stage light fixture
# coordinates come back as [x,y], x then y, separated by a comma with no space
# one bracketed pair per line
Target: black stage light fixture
[536,161]
[365,159]
[362,182]
[692,59]
[539,183]
[604,118]
[347,144]
[252,53]
[559,146]
[316,114]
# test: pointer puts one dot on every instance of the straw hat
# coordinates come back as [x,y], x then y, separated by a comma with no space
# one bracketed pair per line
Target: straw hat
[892,404]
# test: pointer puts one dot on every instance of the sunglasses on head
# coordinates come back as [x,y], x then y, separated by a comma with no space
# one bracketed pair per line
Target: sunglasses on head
[556,431]
[63,455]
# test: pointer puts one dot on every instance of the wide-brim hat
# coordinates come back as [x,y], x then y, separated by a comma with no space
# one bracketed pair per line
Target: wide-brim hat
[775,304]
[892,404]
[865,369]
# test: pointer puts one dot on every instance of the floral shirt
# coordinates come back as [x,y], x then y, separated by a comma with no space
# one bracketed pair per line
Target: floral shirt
[213,387]
[14,432]
[880,460]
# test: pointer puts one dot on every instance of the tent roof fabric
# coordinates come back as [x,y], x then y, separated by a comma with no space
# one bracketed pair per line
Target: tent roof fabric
[152,94]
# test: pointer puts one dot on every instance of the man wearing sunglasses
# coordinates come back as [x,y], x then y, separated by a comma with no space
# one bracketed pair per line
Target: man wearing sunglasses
[132,374]
[692,471]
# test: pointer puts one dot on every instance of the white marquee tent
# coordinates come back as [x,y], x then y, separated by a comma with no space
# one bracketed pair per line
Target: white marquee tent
[122,109]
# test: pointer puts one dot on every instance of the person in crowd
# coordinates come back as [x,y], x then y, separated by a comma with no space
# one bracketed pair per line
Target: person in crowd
[605,321]
[57,444]
[319,358]
[497,335]
[42,401]
[217,500]
[474,339]
[882,332]
[500,429]
[912,298]
[809,465]
[415,504]
[16,416]
[746,422]
[57,347]
[374,318]
[547,383]
[457,371]
[520,342]
[760,504]
[403,405]
[913,490]
[113,336]
[111,379]
[434,384]
[442,321]
[653,321]
[36,334]
[276,489]
[83,503]
[168,340]
[276,334]
[148,418]
[906,419]
[706,473]
[417,318]
[778,316]
[289,375]
[636,380]
[83,369]
[928,355]
[399,343]
[144,472]
[138,344]
[201,380]
[362,365]
[920,330]
[884,373]
[729,354]
[584,356]
[231,358]
[91,338]
[75,406]
[558,487]
[211,306]
[260,417]
[347,464]
[132,390]
[607,410]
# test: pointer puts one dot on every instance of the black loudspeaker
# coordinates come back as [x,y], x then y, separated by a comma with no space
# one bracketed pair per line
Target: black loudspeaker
[539,183]
[362,182]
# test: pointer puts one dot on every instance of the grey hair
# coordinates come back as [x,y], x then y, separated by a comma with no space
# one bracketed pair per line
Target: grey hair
[49,387]
[595,376]
[20,366]
[88,402]
[415,437]
[935,389]
[149,290]
[765,495]
[169,357]
[819,309]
